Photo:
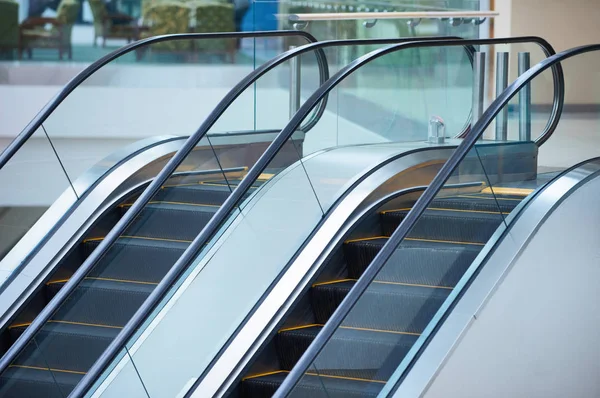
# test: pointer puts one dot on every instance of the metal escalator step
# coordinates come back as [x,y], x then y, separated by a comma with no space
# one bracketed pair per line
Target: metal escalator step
[195,194]
[415,262]
[384,306]
[19,382]
[446,225]
[477,203]
[356,353]
[143,260]
[312,386]
[69,346]
[104,302]
[179,222]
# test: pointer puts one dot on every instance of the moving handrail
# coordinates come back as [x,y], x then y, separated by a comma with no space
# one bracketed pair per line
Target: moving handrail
[213,225]
[411,219]
[82,76]
[151,190]
[221,215]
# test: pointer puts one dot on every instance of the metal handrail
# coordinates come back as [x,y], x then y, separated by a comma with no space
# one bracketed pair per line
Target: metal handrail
[219,217]
[127,331]
[82,76]
[351,16]
[414,215]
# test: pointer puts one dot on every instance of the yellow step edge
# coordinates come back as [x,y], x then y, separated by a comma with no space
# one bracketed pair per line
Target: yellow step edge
[365,239]
[453,242]
[120,280]
[157,202]
[345,378]
[482,197]
[313,374]
[310,325]
[140,237]
[47,369]
[333,282]
[104,279]
[384,283]
[68,323]
[157,239]
[508,191]
[265,374]
[417,240]
[444,209]
[265,176]
[348,327]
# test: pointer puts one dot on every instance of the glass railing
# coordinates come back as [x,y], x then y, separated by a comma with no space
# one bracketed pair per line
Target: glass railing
[411,321]
[239,241]
[219,152]
[126,97]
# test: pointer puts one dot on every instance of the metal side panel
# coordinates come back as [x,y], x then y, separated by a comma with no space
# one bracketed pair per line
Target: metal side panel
[259,252]
[34,256]
[527,324]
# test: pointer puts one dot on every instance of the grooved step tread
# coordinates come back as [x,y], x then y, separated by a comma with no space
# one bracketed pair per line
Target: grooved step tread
[384,306]
[414,261]
[33,382]
[351,352]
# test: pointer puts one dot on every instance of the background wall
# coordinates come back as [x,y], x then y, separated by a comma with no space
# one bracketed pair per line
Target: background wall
[565,24]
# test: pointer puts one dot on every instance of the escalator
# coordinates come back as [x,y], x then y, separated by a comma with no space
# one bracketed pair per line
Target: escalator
[396,308]
[447,239]
[77,334]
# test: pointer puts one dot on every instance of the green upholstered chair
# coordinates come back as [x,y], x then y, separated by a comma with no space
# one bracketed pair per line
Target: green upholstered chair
[34,33]
[9,25]
[111,26]
[167,18]
[211,18]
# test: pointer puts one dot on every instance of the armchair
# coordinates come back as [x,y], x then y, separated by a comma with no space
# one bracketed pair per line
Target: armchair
[215,17]
[9,25]
[33,32]
[111,26]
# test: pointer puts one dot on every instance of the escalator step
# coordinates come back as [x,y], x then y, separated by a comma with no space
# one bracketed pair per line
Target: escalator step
[355,353]
[65,345]
[136,259]
[103,302]
[446,225]
[195,194]
[181,222]
[477,203]
[18,382]
[384,306]
[312,386]
[416,262]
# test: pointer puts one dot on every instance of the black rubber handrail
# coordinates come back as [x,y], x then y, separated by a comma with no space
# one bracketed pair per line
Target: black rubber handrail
[415,213]
[225,210]
[82,76]
[115,347]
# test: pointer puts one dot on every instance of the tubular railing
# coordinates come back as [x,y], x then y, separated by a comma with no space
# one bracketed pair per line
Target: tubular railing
[413,216]
[82,76]
[221,215]
[161,178]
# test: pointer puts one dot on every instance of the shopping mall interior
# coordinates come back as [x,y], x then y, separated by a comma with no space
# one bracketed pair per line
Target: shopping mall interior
[407,187]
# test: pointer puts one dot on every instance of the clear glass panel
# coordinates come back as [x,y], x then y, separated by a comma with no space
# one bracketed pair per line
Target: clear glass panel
[35,375]
[471,211]
[33,182]
[256,242]
[163,89]
[128,384]
[364,28]
[255,252]
[405,295]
